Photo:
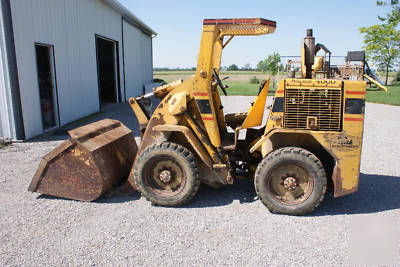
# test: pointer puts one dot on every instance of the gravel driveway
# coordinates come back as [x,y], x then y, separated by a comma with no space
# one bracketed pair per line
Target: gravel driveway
[228,226]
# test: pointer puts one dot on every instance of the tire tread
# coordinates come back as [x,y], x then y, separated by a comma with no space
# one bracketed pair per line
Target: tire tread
[190,160]
[279,153]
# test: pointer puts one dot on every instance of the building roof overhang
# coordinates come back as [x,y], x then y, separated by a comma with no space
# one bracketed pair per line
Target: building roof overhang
[130,17]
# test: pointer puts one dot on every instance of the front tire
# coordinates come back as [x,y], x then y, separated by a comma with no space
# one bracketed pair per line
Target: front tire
[290,181]
[167,175]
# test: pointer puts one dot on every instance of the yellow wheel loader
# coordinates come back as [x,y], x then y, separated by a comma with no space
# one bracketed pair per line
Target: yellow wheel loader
[312,138]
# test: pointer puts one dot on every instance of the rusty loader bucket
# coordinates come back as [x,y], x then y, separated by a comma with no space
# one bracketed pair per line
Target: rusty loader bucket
[97,157]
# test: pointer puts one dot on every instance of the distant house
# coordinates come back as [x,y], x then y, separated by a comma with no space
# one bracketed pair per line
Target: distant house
[64,59]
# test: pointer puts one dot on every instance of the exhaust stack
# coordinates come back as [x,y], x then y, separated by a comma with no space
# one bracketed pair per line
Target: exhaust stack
[309,53]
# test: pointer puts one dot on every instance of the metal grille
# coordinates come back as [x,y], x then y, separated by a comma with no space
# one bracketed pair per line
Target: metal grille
[314,109]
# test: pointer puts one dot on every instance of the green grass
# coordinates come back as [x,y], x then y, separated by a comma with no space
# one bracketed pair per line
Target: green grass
[374,95]
[2,145]
[242,72]
[246,88]
[392,97]
[239,86]
[188,72]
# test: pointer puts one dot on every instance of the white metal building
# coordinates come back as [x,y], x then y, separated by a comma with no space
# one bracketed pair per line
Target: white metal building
[63,59]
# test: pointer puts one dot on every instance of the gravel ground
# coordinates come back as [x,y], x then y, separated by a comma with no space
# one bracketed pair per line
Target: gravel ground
[228,226]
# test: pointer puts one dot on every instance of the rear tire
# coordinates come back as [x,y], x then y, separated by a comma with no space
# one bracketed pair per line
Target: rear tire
[167,175]
[290,181]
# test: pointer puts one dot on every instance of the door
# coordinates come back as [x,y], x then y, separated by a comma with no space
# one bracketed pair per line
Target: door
[107,70]
[47,85]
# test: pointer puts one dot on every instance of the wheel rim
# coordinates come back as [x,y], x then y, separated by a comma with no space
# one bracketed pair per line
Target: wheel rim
[164,176]
[290,184]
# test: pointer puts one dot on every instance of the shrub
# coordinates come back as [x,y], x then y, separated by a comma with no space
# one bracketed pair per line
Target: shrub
[395,83]
[254,80]
[397,76]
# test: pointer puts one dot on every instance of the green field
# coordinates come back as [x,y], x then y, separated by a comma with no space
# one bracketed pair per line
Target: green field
[392,97]
[245,88]
[239,84]
[241,88]
[188,72]
[374,95]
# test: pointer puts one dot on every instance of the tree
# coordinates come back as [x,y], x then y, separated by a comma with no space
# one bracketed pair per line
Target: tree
[394,16]
[382,45]
[271,64]
[282,67]
[261,66]
[246,66]
[233,67]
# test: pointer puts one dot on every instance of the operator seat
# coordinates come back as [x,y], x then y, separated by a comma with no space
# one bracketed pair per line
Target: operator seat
[235,120]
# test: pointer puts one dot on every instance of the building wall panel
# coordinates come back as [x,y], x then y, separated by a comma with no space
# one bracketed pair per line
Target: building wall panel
[5,117]
[70,26]
[138,60]
[147,57]
[6,128]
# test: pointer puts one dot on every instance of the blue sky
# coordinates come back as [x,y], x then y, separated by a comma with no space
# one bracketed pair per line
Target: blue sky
[179,24]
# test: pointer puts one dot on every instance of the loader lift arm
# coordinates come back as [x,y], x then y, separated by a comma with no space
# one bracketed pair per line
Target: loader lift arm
[203,113]
[209,61]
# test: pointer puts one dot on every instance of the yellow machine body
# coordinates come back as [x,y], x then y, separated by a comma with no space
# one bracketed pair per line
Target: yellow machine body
[334,133]
[204,126]
[322,116]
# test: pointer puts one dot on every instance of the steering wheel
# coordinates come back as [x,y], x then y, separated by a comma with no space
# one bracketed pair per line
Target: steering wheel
[219,83]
